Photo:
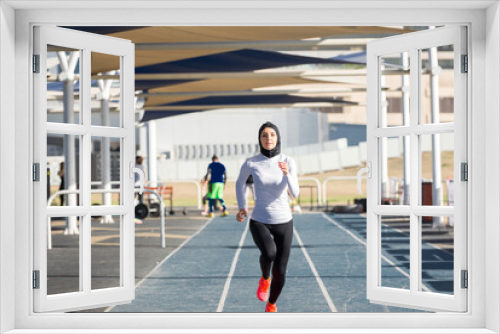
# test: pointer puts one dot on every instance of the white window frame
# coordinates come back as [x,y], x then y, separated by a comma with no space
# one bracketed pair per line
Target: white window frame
[86,297]
[377,131]
[483,102]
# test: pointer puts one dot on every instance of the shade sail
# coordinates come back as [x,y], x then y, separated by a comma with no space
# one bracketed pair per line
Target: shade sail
[358,58]
[200,34]
[150,115]
[233,61]
[351,58]
[217,84]
[193,50]
[234,101]
[261,99]
[186,35]
[151,84]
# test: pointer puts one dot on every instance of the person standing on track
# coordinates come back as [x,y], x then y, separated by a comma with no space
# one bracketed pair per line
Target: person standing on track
[271,223]
[216,174]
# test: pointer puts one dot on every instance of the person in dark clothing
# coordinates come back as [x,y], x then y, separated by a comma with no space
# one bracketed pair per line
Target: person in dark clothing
[216,174]
[61,185]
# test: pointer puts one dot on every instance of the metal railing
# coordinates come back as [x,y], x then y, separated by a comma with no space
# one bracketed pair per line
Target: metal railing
[102,191]
[196,183]
[318,186]
[334,178]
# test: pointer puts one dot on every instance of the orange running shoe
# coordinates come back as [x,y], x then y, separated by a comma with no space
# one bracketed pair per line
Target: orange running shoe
[271,307]
[263,289]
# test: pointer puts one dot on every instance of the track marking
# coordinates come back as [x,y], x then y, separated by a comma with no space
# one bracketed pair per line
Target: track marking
[165,259]
[225,292]
[315,272]
[386,259]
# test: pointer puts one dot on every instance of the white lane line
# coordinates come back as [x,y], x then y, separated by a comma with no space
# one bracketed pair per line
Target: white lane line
[315,272]
[165,259]
[223,297]
[386,259]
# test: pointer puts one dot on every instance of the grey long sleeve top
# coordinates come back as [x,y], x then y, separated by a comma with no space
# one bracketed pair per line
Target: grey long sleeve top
[270,184]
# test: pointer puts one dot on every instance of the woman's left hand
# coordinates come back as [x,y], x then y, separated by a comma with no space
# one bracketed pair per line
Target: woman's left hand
[284,167]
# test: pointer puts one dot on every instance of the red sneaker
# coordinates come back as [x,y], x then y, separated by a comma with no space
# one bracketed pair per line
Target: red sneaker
[263,289]
[271,307]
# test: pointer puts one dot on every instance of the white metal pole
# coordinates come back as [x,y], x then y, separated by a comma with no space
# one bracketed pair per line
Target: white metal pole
[105,87]
[67,76]
[437,190]
[320,139]
[143,140]
[152,153]
[405,108]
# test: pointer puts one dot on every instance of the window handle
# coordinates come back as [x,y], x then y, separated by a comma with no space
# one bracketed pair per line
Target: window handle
[140,172]
[368,171]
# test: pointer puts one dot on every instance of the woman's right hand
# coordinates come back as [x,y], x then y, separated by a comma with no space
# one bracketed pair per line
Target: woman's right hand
[241,215]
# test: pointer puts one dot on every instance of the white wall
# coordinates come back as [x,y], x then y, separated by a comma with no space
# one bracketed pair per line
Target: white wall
[7,160]
[298,127]
[491,163]
[310,159]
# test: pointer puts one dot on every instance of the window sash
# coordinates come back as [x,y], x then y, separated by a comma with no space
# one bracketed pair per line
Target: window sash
[414,298]
[86,298]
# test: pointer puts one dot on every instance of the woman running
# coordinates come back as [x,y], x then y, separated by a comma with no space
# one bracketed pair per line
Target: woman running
[271,223]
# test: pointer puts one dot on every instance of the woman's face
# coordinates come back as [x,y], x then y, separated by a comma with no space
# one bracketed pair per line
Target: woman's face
[268,138]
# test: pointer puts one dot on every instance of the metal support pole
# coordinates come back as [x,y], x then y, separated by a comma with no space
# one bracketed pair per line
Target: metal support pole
[405,108]
[105,87]
[67,76]
[437,190]
[320,138]
[143,147]
[152,153]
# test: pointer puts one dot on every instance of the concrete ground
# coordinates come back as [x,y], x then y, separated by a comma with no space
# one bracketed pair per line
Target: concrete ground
[63,259]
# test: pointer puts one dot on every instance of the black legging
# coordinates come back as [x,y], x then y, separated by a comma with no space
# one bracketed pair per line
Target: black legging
[274,242]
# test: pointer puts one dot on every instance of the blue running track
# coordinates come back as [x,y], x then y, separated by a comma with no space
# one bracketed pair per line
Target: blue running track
[213,272]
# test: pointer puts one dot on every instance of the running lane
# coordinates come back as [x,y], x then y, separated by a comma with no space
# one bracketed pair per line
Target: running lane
[339,255]
[301,292]
[193,278]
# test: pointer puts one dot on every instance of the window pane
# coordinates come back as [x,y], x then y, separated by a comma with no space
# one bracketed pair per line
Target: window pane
[437,168]
[395,251]
[63,89]
[395,170]
[105,170]
[395,93]
[106,254]
[437,85]
[105,90]
[63,260]
[437,254]
[63,164]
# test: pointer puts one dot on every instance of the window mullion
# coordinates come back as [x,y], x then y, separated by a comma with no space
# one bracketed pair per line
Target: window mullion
[415,266]
[85,157]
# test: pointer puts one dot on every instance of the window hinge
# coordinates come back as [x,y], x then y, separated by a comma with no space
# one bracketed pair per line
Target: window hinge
[36,63]
[464,171]
[36,279]
[465,64]
[36,172]
[465,279]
